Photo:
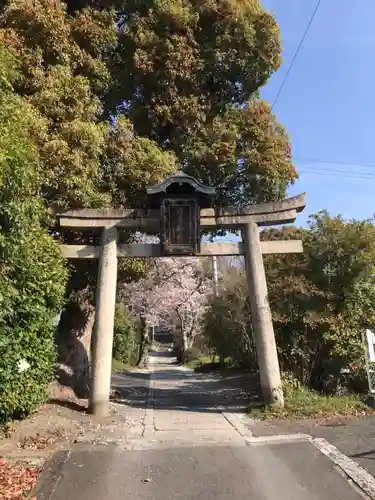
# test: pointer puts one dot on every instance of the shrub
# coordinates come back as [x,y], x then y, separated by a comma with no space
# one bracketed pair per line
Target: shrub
[126,340]
[319,301]
[32,271]
[227,325]
[31,291]
[290,383]
[357,379]
[321,298]
[192,354]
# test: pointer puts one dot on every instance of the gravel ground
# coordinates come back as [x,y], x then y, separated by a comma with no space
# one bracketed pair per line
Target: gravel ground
[64,421]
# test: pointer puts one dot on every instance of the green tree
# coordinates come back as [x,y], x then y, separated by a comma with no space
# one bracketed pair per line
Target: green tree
[32,271]
[321,298]
[131,164]
[64,74]
[227,326]
[56,76]
[188,74]
[180,63]
[85,160]
[245,153]
[126,341]
[129,91]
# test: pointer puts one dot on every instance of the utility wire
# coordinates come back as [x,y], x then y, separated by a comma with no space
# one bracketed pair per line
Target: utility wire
[336,170]
[346,172]
[332,162]
[340,176]
[296,53]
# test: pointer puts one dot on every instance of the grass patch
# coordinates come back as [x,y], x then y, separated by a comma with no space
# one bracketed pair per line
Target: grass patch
[194,363]
[207,364]
[305,403]
[202,361]
[119,366]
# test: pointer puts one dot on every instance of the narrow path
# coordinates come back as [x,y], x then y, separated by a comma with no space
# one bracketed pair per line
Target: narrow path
[190,408]
[191,449]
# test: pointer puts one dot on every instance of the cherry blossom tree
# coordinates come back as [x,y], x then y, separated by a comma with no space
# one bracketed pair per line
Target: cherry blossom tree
[184,296]
[176,291]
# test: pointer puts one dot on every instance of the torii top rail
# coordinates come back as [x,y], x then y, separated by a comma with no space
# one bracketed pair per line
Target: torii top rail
[265,214]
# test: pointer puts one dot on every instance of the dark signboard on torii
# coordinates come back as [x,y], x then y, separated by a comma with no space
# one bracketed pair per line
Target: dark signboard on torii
[180,199]
[178,209]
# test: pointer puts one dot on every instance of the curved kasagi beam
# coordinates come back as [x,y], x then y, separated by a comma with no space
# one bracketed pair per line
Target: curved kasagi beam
[264,214]
[297,203]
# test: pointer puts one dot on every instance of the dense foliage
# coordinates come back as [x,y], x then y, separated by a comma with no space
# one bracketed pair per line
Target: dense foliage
[126,340]
[226,325]
[129,87]
[109,97]
[322,297]
[187,73]
[320,301]
[32,272]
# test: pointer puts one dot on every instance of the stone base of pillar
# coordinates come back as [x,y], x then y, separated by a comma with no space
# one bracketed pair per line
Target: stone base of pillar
[100,409]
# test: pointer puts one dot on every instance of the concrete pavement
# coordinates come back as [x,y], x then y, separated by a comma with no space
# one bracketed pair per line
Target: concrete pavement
[194,446]
[354,436]
[287,472]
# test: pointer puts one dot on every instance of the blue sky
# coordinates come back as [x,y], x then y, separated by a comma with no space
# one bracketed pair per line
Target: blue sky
[328,102]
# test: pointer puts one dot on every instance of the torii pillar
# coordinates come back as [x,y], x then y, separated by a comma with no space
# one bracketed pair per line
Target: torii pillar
[102,340]
[269,371]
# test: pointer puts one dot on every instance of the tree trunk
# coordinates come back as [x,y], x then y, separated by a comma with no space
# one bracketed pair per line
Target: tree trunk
[185,340]
[143,352]
[74,348]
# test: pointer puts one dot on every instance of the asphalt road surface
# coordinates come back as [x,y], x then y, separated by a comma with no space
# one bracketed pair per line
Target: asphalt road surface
[191,451]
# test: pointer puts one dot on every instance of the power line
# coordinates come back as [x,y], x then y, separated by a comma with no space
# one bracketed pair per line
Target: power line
[337,170]
[296,53]
[332,162]
[316,169]
[341,175]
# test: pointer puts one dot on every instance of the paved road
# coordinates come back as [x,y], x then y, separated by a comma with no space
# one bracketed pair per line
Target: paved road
[353,436]
[200,391]
[191,451]
[283,472]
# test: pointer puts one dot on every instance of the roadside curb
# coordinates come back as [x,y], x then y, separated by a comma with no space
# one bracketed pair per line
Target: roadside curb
[240,422]
[50,476]
[235,420]
[29,461]
[278,439]
[351,469]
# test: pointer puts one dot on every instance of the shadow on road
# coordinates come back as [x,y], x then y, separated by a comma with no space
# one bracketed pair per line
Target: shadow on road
[369,455]
[177,389]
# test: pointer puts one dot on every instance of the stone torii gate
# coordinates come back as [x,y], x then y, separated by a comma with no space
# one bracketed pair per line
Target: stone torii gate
[246,219]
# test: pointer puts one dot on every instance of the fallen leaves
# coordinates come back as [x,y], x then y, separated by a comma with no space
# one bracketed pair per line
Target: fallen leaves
[40,441]
[16,480]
